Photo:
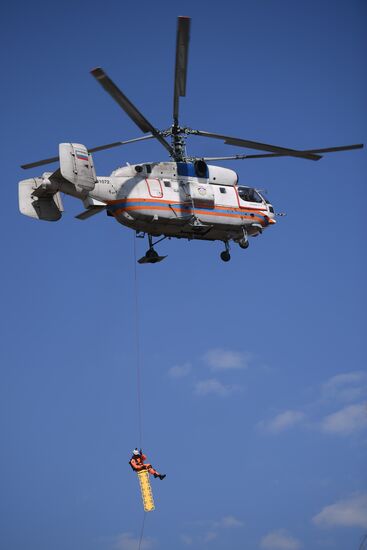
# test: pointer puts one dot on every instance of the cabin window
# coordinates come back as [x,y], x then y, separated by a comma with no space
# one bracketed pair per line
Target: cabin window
[148,168]
[167,183]
[223,190]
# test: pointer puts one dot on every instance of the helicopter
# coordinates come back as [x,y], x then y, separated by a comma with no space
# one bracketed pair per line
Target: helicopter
[184,197]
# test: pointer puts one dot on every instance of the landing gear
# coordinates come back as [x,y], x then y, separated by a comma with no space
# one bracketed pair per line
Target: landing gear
[225,255]
[244,243]
[152,256]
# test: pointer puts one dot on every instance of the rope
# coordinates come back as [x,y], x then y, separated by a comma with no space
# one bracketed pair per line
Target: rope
[138,369]
[142,532]
[137,343]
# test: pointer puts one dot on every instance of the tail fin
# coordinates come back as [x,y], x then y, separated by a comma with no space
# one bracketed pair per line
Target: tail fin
[76,166]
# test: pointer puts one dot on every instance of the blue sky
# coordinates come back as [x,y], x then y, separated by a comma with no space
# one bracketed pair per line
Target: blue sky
[253,372]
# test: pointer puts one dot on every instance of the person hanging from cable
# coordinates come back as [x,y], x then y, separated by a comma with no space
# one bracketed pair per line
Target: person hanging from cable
[137,464]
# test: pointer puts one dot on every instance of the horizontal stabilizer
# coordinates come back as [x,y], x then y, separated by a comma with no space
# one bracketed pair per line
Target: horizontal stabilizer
[90,212]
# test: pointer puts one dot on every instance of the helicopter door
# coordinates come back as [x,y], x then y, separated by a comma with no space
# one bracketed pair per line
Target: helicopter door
[154,188]
[202,195]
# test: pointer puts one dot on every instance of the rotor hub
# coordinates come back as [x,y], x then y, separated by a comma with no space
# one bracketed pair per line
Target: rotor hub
[178,141]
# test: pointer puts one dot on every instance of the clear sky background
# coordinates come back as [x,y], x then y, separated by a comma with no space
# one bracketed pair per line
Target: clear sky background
[253,372]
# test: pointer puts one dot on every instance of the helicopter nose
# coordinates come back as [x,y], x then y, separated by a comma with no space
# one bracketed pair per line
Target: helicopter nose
[271,215]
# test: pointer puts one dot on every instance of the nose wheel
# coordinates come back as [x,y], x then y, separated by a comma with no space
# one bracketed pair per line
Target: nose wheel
[244,243]
[225,255]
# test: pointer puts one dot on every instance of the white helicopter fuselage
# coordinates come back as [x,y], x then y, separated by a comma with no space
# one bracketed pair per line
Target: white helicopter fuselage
[168,198]
[189,200]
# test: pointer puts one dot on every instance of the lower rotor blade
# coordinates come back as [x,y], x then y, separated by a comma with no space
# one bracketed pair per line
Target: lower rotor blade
[92,150]
[39,163]
[271,155]
[326,150]
[118,143]
[257,145]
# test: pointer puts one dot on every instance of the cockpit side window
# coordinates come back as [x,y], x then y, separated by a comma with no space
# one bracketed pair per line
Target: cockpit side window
[249,194]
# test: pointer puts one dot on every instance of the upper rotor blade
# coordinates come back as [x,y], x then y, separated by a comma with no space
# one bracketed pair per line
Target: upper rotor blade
[182,50]
[336,149]
[128,107]
[260,146]
[92,150]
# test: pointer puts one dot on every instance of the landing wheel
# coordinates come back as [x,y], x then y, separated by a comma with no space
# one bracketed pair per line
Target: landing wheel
[225,256]
[244,243]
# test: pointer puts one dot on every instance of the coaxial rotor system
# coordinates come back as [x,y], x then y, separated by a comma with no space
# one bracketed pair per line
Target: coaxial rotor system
[177,133]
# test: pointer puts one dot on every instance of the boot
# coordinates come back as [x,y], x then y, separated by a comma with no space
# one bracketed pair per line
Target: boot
[162,476]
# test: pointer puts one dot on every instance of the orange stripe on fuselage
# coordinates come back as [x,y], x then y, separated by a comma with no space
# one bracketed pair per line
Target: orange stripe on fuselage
[229,207]
[214,213]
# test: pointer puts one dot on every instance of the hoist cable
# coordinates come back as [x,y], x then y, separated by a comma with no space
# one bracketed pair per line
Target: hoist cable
[137,344]
[142,532]
[138,369]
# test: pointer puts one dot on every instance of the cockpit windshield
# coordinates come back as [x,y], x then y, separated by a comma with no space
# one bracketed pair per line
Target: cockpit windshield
[249,194]
[264,197]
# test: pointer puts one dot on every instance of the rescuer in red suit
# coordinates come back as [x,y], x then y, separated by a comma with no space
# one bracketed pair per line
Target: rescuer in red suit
[137,464]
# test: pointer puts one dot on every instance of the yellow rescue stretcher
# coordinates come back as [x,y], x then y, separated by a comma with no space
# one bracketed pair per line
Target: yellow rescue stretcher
[146,490]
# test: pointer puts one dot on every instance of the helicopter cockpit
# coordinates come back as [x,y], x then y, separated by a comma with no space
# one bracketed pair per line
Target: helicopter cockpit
[249,194]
